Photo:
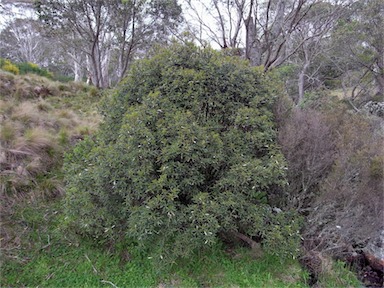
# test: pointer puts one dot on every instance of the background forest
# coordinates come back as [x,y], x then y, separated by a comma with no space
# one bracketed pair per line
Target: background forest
[192,143]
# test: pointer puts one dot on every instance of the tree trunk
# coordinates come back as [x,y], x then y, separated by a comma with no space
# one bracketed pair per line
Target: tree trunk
[303,72]
[105,69]
[255,246]
[302,82]
[252,45]
[380,75]
[77,71]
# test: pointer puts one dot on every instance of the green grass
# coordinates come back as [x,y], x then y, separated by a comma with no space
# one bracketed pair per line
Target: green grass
[338,275]
[218,269]
[49,256]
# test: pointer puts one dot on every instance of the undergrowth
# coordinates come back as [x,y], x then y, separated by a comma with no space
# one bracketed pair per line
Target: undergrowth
[48,256]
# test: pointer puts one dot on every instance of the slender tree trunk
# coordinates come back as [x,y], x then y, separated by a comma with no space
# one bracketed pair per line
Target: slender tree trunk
[252,45]
[380,84]
[303,71]
[380,75]
[301,82]
[105,69]
[77,71]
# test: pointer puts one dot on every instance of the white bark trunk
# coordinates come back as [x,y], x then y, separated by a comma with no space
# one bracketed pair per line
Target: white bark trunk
[302,82]
[77,71]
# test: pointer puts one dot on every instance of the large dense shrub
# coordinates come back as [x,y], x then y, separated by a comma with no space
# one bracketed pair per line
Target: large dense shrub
[186,153]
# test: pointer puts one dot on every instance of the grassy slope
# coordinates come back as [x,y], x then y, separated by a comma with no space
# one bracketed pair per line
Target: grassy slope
[37,126]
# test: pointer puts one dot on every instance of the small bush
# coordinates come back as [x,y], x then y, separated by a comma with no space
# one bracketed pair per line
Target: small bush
[93,92]
[8,66]
[32,68]
[377,167]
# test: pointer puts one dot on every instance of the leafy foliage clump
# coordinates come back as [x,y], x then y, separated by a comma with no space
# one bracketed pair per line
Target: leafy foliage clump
[8,66]
[24,68]
[186,153]
[28,67]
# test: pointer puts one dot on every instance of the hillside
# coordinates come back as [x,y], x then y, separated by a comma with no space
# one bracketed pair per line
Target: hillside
[40,120]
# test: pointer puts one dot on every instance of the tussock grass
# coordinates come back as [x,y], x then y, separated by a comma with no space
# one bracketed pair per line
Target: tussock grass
[7,132]
[4,107]
[32,86]
[37,125]
[27,112]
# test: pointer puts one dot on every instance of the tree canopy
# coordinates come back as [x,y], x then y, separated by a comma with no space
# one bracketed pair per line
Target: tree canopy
[186,153]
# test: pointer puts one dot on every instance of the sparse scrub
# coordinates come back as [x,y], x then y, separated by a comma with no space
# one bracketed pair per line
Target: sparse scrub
[335,169]
[350,207]
[307,138]
[326,272]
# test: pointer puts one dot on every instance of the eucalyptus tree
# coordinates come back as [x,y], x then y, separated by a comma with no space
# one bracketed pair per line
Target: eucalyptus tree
[273,33]
[105,35]
[359,50]
[262,28]
[312,41]
[22,42]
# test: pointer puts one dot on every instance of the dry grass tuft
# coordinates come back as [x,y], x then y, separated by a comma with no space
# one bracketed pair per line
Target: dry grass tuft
[27,112]
[35,140]
[7,132]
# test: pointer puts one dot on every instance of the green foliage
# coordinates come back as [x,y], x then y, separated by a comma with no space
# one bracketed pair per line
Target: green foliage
[24,68]
[337,275]
[52,257]
[8,66]
[28,67]
[377,167]
[186,152]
